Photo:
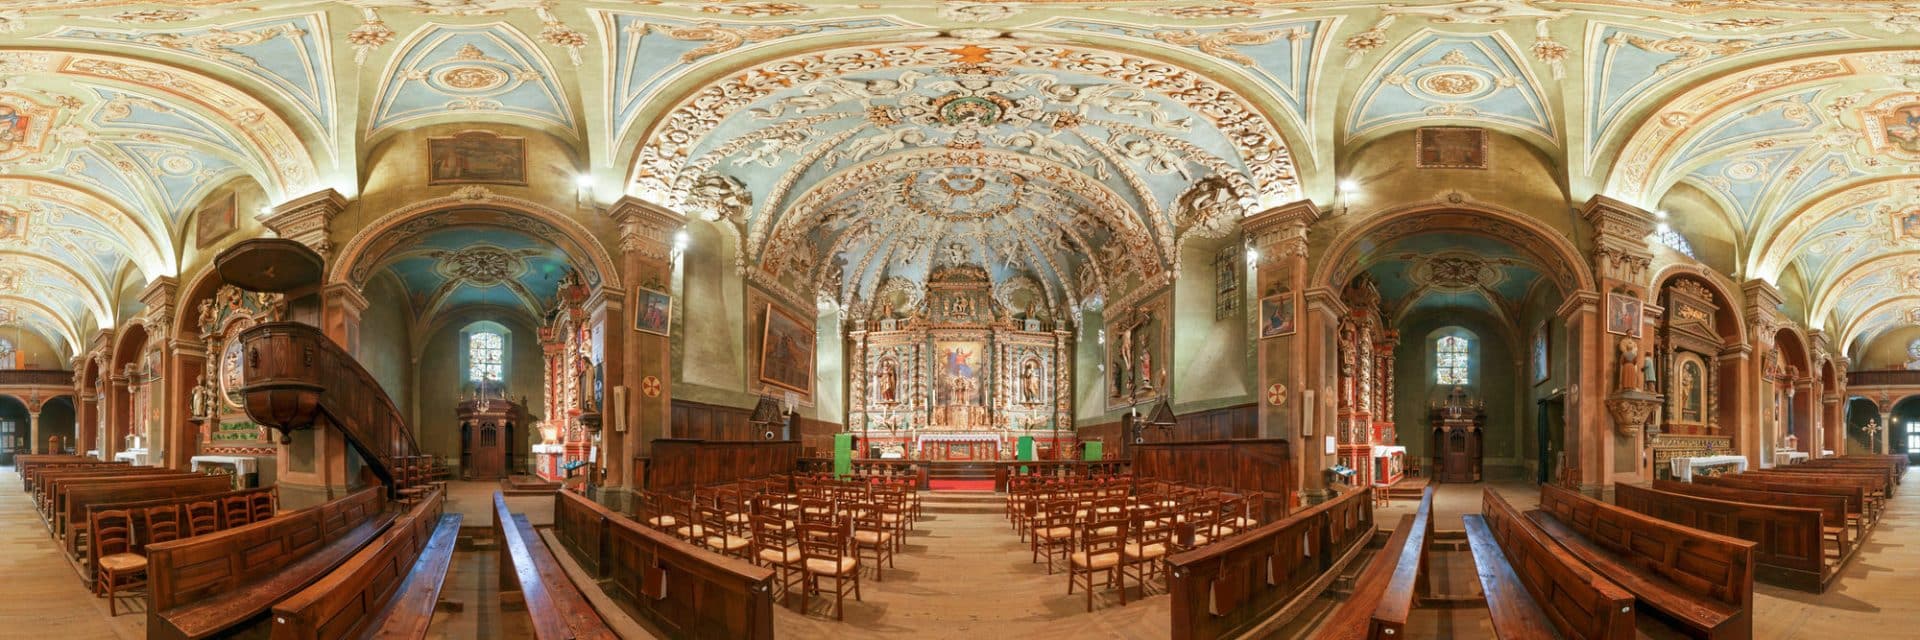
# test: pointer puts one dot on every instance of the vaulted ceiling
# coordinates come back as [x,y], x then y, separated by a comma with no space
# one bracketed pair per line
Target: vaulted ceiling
[849,144]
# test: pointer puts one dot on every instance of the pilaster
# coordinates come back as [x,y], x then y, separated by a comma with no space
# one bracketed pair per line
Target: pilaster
[1293,360]
[1619,344]
[647,254]
[308,220]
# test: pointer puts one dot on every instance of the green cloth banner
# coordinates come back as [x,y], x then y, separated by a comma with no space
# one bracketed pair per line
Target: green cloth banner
[1095,449]
[842,455]
[1023,450]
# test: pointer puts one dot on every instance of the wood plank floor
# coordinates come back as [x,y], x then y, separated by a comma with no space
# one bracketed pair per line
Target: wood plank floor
[965,575]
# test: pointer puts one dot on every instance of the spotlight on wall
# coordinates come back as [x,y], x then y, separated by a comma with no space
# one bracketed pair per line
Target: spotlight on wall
[1346,189]
[1660,215]
[681,240]
[1349,185]
[583,188]
[1662,228]
[1253,256]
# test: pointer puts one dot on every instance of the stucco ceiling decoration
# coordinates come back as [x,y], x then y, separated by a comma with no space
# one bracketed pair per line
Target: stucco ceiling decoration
[489,69]
[458,267]
[1453,78]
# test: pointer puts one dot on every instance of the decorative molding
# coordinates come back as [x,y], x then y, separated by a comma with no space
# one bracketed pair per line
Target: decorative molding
[1282,230]
[646,228]
[1620,231]
[308,219]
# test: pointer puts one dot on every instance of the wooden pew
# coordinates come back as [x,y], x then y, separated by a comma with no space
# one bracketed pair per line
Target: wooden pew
[70,510]
[1873,486]
[363,597]
[139,523]
[1229,587]
[1834,518]
[47,486]
[209,585]
[1840,464]
[529,570]
[1390,585]
[1789,545]
[31,466]
[1700,581]
[1534,588]
[1859,511]
[686,591]
[1877,481]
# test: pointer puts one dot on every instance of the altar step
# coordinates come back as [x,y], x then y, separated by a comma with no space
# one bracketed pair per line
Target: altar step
[942,470]
[962,502]
[1408,489]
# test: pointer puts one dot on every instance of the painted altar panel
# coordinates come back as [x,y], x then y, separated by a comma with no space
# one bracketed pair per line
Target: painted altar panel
[960,373]
[895,383]
[216,403]
[1027,376]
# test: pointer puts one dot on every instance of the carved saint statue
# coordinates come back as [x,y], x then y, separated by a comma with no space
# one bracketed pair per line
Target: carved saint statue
[584,384]
[1146,362]
[201,407]
[1630,376]
[1030,382]
[884,383]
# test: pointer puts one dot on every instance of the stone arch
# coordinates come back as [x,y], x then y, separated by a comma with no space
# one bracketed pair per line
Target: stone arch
[356,261]
[1731,323]
[1565,265]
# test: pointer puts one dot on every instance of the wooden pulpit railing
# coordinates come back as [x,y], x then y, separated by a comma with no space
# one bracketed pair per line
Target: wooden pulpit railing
[297,378]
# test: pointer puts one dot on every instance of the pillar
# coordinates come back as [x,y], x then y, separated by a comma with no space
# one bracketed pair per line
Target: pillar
[33,432]
[1589,431]
[171,416]
[308,220]
[645,370]
[1764,319]
[342,304]
[1295,370]
[1620,260]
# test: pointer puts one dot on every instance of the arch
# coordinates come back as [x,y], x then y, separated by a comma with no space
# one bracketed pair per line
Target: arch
[1557,256]
[128,347]
[357,260]
[1731,323]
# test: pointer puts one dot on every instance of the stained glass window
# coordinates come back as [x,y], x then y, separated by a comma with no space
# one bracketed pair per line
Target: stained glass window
[1667,236]
[1450,360]
[6,354]
[483,357]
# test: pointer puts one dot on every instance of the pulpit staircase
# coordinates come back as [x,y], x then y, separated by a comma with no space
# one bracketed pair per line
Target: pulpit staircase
[298,378]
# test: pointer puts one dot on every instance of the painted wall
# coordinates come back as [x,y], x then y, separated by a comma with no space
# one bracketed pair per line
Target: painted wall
[1700,219]
[35,351]
[1519,177]
[1889,351]
[386,349]
[56,419]
[710,325]
[1535,314]
[829,370]
[1212,359]
[1494,378]
[1089,378]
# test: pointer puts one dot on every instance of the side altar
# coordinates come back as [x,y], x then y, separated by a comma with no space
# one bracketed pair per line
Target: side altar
[960,368]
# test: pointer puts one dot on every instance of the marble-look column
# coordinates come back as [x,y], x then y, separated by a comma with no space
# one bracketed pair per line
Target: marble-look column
[1620,259]
[1588,439]
[647,253]
[1757,437]
[170,416]
[33,432]
[1295,368]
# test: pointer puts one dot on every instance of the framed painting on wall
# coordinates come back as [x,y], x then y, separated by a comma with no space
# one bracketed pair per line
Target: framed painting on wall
[653,311]
[1277,315]
[214,220]
[1623,314]
[1542,352]
[786,351]
[476,157]
[1450,148]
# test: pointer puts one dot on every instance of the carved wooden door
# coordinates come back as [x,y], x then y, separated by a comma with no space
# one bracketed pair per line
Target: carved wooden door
[1459,457]
[488,453]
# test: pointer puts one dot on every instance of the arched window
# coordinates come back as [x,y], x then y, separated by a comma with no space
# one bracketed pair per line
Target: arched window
[1450,360]
[7,358]
[1665,234]
[484,353]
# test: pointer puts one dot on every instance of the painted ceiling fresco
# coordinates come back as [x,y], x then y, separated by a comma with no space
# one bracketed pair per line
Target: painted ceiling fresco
[449,269]
[1452,270]
[1072,143]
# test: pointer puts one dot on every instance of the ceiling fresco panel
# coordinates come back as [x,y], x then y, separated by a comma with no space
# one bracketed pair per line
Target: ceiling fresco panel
[470,69]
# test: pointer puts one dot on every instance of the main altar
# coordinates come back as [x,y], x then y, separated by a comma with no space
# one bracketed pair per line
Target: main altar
[959,368]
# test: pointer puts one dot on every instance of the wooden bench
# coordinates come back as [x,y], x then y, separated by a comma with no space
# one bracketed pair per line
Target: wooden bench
[389,588]
[684,590]
[47,488]
[1887,467]
[1390,585]
[1859,509]
[73,498]
[1876,481]
[1534,588]
[528,569]
[1698,580]
[1228,588]
[208,585]
[140,532]
[1834,518]
[1872,487]
[31,467]
[1789,542]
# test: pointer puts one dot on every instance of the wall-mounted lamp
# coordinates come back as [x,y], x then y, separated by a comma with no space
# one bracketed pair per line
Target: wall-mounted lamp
[1345,192]
[680,242]
[583,188]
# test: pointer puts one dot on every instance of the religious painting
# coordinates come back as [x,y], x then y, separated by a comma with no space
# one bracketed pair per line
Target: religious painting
[1690,387]
[1892,126]
[653,311]
[786,351]
[214,220]
[1450,148]
[477,157]
[959,387]
[1623,314]
[23,126]
[1542,359]
[1277,314]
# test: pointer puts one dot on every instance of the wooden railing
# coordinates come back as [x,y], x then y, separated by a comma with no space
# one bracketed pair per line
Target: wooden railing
[39,377]
[296,377]
[1003,472]
[680,466]
[529,571]
[1225,589]
[687,591]
[870,468]
[1262,469]
[1883,378]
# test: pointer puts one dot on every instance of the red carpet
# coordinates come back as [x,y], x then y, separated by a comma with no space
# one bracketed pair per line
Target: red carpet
[960,485]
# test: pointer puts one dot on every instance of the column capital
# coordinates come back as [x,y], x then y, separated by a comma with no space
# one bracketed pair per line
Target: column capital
[158,298]
[1577,302]
[646,228]
[1763,309]
[346,295]
[1282,230]
[1620,232]
[308,219]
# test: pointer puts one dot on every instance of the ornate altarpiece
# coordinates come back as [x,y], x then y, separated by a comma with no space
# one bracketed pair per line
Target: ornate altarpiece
[1687,353]
[215,402]
[959,370]
[1365,393]
[570,374]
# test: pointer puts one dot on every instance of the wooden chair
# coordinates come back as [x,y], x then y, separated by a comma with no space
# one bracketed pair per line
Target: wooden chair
[1102,544]
[872,531]
[1052,533]
[823,553]
[112,532]
[774,547]
[235,512]
[163,523]
[1149,539]
[655,513]
[203,517]
[719,533]
[263,508]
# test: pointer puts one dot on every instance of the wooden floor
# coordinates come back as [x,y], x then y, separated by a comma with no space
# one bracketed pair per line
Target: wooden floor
[965,575]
